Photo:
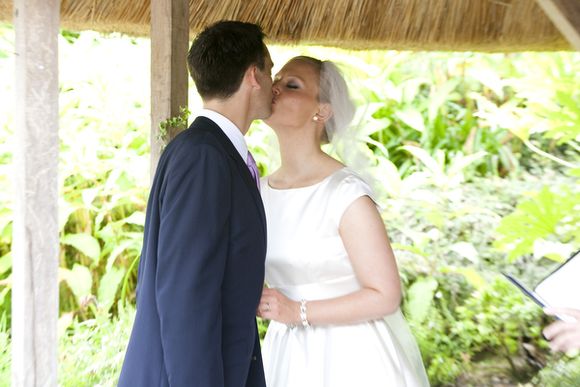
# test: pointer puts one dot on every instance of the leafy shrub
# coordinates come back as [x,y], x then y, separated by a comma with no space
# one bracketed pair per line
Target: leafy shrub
[430,101]
[561,372]
[544,224]
[91,352]
[491,320]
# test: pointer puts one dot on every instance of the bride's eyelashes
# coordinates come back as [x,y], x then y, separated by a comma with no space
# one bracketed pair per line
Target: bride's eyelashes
[286,82]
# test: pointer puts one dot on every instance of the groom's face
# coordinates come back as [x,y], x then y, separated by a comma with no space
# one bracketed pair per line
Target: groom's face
[264,98]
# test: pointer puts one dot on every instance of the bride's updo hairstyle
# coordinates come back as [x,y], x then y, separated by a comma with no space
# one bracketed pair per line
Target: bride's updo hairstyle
[334,91]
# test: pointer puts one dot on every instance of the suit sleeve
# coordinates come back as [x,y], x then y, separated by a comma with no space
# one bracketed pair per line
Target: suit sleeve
[193,240]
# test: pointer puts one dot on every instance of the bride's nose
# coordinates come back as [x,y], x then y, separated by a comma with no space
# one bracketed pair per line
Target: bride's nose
[275,89]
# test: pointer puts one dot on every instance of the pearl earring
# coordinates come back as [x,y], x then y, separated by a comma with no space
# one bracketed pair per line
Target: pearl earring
[315,118]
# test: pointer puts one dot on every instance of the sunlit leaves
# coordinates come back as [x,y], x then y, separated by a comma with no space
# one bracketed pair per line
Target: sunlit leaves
[420,296]
[79,280]
[108,287]
[412,118]
[541,216]
[85,243]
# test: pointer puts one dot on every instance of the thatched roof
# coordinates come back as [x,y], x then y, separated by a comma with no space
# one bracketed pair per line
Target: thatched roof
[458,25]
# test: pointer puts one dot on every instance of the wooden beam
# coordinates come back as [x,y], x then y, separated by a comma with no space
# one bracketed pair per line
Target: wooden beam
[169,78]
[35,244]
[565,14]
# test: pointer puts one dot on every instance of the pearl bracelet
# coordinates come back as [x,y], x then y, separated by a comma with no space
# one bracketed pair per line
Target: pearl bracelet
[303,315]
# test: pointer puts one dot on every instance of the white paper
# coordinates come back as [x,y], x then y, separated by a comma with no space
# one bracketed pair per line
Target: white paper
[562,288]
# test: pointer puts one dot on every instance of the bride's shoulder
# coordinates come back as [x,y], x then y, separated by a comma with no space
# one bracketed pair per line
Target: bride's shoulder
[347,182]
[345,175]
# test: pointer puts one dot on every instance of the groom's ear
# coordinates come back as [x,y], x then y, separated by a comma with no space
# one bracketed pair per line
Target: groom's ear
[324,112]
[251,76]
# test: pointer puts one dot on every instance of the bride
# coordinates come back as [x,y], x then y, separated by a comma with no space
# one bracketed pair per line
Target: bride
[333,286]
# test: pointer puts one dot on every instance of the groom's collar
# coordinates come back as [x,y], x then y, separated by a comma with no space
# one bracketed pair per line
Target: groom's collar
[230,130]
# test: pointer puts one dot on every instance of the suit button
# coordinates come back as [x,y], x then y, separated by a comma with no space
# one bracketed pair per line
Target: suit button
[254,358]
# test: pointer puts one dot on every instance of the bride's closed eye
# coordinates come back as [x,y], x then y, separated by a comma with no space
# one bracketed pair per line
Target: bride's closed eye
[287,82]
[292,82]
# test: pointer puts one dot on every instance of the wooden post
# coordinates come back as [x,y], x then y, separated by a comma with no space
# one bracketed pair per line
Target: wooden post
[169,77]
[35,244]
[565,14]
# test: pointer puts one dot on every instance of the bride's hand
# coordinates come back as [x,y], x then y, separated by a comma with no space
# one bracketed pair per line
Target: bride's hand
[276,306]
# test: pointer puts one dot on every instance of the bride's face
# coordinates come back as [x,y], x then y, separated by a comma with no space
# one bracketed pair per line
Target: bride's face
[295,101]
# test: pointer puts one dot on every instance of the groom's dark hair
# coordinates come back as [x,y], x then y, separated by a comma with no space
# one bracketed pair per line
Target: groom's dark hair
[220,55]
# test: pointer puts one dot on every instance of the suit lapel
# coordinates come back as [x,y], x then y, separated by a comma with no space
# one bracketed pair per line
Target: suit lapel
[208,125]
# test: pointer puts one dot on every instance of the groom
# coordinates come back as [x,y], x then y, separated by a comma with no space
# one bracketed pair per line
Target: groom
[202,264]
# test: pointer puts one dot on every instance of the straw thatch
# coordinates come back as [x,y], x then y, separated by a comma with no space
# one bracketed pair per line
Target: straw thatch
[458,25]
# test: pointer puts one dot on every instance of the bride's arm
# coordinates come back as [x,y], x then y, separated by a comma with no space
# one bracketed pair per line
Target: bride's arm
[365,239]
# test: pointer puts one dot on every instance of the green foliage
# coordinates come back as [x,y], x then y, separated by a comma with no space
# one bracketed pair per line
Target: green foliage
[103,175]
[6,134]
[430,101]
[451,337]
[173,125]
[70,36]
[549,214]
[563,372]
[442,239]
[5,353]
[102,218]
[92,351]
[442,173]
[262,327]
[549,89]
[420,298]
[487,323]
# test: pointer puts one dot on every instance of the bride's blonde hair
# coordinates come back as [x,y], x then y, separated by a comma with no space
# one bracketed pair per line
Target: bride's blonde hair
[333,90]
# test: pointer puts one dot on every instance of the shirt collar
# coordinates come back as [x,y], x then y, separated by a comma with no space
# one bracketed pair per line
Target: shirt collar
[230,130]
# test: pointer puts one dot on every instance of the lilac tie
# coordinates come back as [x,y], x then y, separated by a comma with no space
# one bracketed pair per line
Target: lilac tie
[253,169]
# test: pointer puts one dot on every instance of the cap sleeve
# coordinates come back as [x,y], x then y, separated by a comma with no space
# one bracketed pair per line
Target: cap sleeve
[348,189]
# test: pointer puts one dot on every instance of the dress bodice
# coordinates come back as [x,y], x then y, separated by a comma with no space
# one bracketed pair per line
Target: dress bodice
[306,257]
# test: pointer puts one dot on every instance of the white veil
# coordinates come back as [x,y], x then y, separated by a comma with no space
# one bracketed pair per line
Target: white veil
[334,90]
[340,131]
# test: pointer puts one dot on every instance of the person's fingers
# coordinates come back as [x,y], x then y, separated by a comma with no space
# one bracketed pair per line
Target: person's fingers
[266,298]
[264,310]
[575,313]
[266,291]
[265,306]
[269,292]
[275,306]
[566,340]
[554,329]
[274,295]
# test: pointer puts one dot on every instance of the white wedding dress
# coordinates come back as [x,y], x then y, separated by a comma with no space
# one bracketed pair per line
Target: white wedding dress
[307,260]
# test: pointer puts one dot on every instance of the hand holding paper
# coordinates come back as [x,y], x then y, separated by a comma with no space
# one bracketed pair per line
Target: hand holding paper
[563,336]
[559,289]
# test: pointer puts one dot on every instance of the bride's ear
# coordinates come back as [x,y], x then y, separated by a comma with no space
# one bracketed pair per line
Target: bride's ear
[324,113]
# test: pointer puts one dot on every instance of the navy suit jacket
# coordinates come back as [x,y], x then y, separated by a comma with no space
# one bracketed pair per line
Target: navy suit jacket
[201,271]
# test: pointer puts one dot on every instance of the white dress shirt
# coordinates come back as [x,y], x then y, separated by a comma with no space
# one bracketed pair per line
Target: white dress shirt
[229,129]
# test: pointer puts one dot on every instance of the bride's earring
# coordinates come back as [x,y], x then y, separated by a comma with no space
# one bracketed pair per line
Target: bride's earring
[315,118]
